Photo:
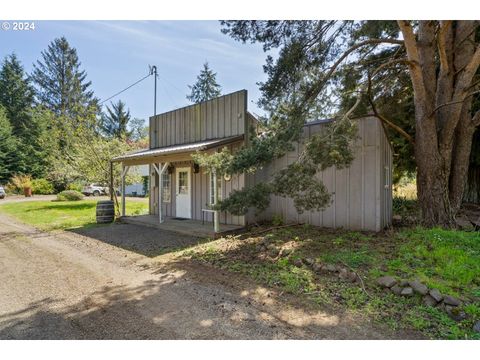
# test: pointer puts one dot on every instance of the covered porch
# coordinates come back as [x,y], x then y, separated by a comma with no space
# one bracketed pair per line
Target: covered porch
[182,196]
[183,226]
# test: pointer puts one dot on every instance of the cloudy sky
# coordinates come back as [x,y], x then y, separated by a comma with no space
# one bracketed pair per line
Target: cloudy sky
[117,53]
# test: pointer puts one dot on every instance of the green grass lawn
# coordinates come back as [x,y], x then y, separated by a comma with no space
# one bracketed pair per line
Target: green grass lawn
[56,215]
[445,259]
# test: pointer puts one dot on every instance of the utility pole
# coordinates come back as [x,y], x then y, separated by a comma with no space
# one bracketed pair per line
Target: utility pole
[153,71]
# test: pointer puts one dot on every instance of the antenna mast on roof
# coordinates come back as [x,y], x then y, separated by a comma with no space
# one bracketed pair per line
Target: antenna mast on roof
[153,71]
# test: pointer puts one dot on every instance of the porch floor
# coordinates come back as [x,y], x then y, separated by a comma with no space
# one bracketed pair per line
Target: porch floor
[187,226]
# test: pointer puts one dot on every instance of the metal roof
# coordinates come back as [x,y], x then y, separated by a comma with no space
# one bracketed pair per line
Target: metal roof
[176,149]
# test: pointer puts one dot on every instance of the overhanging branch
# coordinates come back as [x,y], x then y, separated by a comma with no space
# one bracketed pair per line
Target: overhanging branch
[382,118]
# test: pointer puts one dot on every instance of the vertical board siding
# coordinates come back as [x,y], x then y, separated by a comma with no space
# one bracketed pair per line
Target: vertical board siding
[220,117]
[360,200]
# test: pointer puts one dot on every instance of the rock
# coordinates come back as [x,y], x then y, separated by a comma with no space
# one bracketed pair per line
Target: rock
[452,301]
[403,283]
[418,287]
[408,291]
[386,281]
[298,262]
[441,306]
[309,261]
[397,290]
[343,273]
[273,252]
[317,267]
[455,313]
[476,327]
[352,277]
[429,301]
[434,293]
[330,268]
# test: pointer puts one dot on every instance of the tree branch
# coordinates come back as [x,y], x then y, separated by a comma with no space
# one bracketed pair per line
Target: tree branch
[384,119]
[316,88]
[442,49]
[476,118]
[454,102]
[414,57]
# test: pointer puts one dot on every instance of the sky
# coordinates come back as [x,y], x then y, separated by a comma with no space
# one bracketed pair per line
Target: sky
[115,54]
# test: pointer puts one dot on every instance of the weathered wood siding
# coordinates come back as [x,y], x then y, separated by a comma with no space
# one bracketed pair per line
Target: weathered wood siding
[361,194]
[217,118]
[200,193]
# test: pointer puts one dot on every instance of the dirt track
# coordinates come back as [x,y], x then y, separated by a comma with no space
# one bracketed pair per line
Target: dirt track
[68,286]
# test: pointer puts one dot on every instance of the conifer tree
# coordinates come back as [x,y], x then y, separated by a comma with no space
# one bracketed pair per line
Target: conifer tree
[60,83]
[206,86]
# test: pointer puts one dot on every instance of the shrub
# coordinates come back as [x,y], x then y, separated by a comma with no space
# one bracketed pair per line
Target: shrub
[69,195]
[42,187]
[77,186]
[19,182]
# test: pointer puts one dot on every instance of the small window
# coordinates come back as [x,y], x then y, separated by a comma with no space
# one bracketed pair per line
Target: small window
[166,187]
[219,188]
[183,182]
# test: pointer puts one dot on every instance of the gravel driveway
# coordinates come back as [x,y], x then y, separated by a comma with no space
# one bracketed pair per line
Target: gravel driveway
[69,286]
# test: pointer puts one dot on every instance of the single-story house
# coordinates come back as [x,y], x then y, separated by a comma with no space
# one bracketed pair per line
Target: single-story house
[138,188]
[361,194]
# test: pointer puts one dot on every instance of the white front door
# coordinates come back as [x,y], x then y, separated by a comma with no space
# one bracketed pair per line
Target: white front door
[182,192]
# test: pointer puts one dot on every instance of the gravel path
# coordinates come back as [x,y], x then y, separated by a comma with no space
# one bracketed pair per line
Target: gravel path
[68,286]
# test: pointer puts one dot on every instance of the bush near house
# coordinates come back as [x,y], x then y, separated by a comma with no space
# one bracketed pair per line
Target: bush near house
[42,187]
[70,195]
[77,186]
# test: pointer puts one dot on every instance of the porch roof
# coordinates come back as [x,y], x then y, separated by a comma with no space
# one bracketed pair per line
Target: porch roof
[149,155]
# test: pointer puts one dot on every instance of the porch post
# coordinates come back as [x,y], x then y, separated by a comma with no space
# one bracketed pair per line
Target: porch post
[216,222]
[124,173]
[160,169]
[160,188]
[111,181]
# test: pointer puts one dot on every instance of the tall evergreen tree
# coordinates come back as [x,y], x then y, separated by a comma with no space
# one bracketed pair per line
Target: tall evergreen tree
[206,87]
[8,144]
[61,84]
[16,95]
[114,122]
[29,126]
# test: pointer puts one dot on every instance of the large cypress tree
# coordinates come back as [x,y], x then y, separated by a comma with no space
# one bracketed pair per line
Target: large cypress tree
[206,87]
[439,59]
[61,84]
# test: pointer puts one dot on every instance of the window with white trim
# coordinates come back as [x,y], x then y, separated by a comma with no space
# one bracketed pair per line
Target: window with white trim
[166,187]
[219,188]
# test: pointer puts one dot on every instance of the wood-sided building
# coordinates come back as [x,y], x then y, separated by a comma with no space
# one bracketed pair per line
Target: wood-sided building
[361,194]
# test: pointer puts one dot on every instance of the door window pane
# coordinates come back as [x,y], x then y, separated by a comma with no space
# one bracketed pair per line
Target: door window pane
[183,182]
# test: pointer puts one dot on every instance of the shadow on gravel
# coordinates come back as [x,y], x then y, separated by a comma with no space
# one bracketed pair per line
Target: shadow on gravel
[193,302]
[143,240]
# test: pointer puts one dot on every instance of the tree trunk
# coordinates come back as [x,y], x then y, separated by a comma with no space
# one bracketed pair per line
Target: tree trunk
[444,126]
[432,181]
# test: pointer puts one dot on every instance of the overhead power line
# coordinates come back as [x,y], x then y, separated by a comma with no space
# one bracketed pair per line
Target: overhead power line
[128,87]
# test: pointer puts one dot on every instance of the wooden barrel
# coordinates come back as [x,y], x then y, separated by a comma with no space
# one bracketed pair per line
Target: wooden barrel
[105,211]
